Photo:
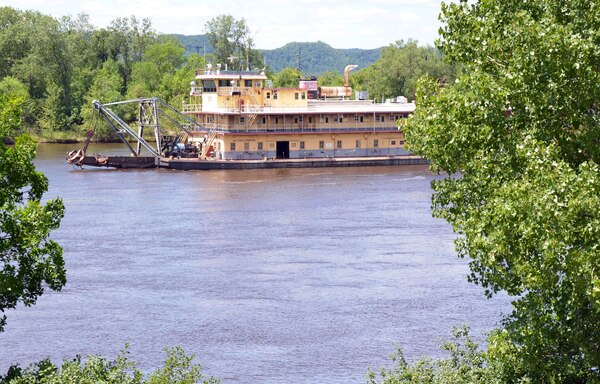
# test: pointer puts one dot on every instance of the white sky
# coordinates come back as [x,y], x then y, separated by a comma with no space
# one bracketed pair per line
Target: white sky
[339,23]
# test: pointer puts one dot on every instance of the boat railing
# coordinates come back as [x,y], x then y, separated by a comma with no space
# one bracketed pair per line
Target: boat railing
[210,127]
[228,91]
[191,107]
[306,129]
[252,108]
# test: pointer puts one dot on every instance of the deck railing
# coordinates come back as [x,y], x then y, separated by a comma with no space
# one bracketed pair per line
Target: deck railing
[191,107]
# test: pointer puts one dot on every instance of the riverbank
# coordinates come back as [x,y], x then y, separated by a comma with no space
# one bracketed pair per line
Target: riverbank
[62,137]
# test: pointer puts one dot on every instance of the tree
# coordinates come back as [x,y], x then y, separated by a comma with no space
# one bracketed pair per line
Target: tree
[178,368]
[178,90]
[53,114]
[11,85]
[106,88]
[28,260]
[233,43]
[287,78]
[517,135]
[153,76]
[128,40]
[331,78]
[466,364]
[400,66]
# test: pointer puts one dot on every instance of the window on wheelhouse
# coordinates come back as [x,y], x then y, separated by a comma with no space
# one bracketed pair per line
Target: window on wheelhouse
[209,86]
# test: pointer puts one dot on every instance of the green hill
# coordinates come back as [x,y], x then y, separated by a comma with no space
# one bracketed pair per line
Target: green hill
[319,57]
[315,58]
[195,43]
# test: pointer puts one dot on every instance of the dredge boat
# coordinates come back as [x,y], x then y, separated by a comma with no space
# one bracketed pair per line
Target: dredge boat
[238,120]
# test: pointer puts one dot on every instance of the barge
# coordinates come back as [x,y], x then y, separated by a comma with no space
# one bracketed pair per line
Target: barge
[238,120]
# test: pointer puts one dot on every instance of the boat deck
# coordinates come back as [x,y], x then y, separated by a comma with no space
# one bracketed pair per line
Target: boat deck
[195,164]
[189,164]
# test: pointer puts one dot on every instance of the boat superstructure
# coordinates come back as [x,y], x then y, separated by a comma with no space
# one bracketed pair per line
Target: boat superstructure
[238,120]
[246,118]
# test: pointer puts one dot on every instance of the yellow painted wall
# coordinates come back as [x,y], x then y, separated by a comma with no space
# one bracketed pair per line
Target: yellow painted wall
[311,141]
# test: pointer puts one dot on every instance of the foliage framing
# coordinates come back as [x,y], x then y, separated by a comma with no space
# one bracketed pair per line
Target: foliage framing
[518,134]
[28,260]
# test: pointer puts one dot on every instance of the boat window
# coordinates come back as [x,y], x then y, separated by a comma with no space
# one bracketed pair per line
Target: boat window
[393,142]
[260,147]
[242,119]
[274,95]
[357,143]
[246,146]
[339,144]
[327,119]
[321,144]
[293,145]
[209,86]
[232,146]
[376,143]
[247,83]
[296,95]
[310,119]
[302,145]
[303,95]
[268,95]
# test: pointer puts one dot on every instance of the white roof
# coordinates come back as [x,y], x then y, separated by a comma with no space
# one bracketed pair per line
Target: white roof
[325,107]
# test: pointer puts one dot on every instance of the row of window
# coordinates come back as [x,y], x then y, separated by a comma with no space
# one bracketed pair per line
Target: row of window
[236,83]
[336,119]
[338,144]
[297,95]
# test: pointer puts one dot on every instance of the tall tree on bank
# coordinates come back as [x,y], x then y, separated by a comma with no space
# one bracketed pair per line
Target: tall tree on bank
[127,41]
[522,126]
[400,66]
[29,262]
[233,43]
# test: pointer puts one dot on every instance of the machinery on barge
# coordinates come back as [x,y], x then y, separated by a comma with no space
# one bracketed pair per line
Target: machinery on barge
[237,119]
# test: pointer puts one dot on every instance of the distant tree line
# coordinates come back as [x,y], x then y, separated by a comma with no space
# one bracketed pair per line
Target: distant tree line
[58,66]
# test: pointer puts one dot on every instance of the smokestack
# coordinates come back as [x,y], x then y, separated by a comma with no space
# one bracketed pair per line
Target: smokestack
[346,72]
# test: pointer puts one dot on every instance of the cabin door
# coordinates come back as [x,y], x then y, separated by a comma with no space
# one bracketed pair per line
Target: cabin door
[283,149]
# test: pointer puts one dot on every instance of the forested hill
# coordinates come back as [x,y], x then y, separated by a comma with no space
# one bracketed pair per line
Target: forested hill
[319,57]
[315,58]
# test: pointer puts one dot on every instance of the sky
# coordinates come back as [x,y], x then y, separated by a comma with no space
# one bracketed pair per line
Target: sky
[342,24]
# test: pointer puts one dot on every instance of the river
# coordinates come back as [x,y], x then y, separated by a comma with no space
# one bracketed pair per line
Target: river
[267,276]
